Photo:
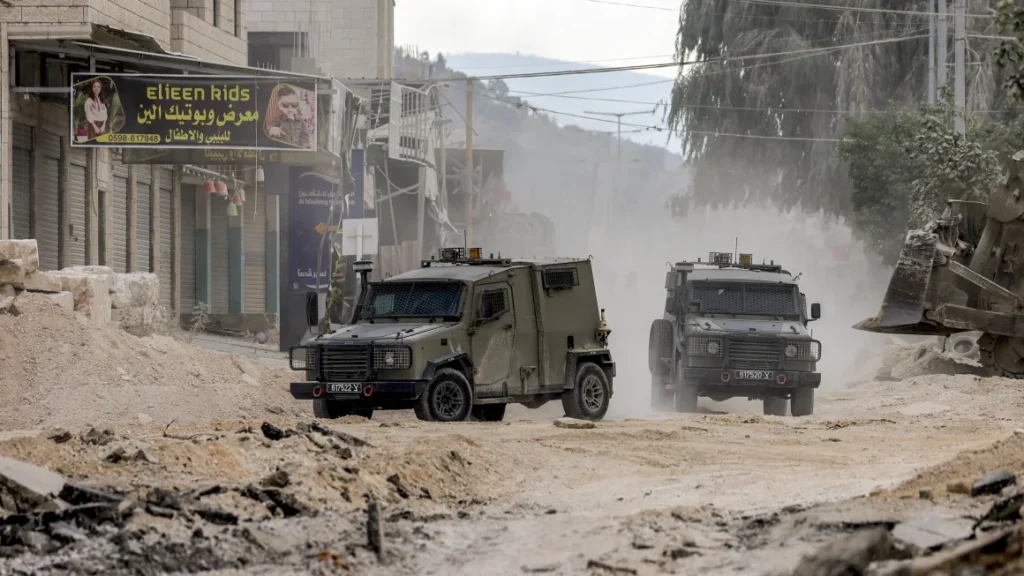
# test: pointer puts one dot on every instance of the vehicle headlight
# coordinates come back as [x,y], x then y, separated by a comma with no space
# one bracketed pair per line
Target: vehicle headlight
[703,346]
[302,358]
[392,358]
[806,351]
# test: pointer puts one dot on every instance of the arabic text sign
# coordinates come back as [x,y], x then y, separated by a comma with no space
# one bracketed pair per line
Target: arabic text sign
[180,111]
[314,202]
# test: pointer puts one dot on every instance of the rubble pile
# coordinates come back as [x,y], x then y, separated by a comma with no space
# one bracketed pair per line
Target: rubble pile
[200,498]
[903,362]
[971,522]
[96,293]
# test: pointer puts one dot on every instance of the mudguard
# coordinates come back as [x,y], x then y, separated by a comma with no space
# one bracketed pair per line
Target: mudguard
[459,358]
[602,357]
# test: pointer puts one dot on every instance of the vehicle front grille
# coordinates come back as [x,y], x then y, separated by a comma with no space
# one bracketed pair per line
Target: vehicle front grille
[345,363]
[755,353]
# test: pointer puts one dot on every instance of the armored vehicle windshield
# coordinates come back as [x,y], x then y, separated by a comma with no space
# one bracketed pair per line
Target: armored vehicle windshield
[746,298]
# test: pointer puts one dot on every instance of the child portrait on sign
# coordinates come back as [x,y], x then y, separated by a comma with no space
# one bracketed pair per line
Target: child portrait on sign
[96,109]
[291,116]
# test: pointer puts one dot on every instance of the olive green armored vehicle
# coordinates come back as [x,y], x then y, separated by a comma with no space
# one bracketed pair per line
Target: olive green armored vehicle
[462,337]
[734,329]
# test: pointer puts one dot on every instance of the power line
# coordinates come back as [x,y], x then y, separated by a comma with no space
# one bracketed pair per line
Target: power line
[792,4]
[578,71]
[760,137]
[635,5]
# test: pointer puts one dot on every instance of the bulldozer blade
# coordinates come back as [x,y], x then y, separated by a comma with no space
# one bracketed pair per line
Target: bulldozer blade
[903,306]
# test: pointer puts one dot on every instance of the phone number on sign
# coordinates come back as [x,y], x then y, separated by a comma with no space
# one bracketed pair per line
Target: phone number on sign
[133,138]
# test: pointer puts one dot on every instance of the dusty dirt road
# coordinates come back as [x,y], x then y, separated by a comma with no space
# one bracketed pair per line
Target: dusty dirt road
[710,493]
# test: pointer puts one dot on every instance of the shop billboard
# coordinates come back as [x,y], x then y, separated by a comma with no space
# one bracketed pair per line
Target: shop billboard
[190,111]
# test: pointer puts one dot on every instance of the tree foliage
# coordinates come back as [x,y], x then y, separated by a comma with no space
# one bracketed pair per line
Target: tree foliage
[804,96]
[904,165]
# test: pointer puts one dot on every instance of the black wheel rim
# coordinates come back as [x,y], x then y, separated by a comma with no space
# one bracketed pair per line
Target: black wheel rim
[593,394]
[449,400]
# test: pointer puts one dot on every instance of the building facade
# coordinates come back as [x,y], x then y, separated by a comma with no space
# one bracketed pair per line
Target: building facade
[116,207]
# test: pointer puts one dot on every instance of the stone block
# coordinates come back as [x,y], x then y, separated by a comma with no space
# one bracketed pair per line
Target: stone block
[91,294]
[42,282]
[12,272]
[92,271]
[25,250]
[135,290]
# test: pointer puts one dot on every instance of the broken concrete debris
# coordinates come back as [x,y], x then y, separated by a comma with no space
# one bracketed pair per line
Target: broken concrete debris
[28,488]
[928,531]
[993,483]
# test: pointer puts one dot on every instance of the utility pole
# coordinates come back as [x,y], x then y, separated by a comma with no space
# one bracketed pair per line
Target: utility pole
[467,178]
[931,52]
[618,146]
[959,79]
[942,45]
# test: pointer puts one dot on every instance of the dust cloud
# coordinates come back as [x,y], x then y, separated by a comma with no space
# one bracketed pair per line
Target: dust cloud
[834,270]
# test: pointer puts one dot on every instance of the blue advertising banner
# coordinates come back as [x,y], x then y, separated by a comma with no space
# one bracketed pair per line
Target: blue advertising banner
[310,201]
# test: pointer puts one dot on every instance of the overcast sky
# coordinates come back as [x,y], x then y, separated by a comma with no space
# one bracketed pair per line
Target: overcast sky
[576,30]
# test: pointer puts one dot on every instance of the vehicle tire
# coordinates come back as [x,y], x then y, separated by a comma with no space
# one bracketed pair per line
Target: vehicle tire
[660,346]
[447,398]
[589,398]
[661,399]
[774,406]
[333,409]
[489,412]
[802,403]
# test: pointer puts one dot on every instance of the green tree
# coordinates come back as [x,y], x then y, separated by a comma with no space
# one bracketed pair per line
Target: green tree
[904,165]
[804,96]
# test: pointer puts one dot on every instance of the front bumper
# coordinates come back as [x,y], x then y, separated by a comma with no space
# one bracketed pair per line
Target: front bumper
[369,392]
[706,378]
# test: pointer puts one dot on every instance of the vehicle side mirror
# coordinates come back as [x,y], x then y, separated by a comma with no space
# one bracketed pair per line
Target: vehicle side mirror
[312,309]
[815,311]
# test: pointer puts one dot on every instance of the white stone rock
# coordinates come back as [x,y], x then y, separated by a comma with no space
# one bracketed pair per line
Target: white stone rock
[25,250]
[135,290]
[92,271]
[574,424]
[12,272]
[145,419]
[42,282]
[7,297]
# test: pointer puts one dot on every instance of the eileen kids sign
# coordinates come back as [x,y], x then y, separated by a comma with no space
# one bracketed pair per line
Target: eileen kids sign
[181,111]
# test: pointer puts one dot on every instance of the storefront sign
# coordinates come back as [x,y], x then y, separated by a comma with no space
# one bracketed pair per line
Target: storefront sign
[184,111]
[314,207]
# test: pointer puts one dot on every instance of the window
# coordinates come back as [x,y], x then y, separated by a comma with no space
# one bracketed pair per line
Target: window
[746,298]
[492,303]
[561,278]
[416,299]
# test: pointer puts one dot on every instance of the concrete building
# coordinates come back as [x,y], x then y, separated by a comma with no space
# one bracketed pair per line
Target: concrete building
[345,39]
[123,208]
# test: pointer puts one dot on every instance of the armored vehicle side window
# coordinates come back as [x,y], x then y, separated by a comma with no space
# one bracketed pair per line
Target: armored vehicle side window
[426,299]
[561,278]
[751,298]
[492,303]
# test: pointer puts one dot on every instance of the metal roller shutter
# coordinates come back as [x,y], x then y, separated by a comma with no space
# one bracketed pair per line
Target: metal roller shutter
[219,246]
[77,233]
[188,248]
[255,253]
[119,234]
[21,203]
[144,217]
[166,235]
[48,234]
